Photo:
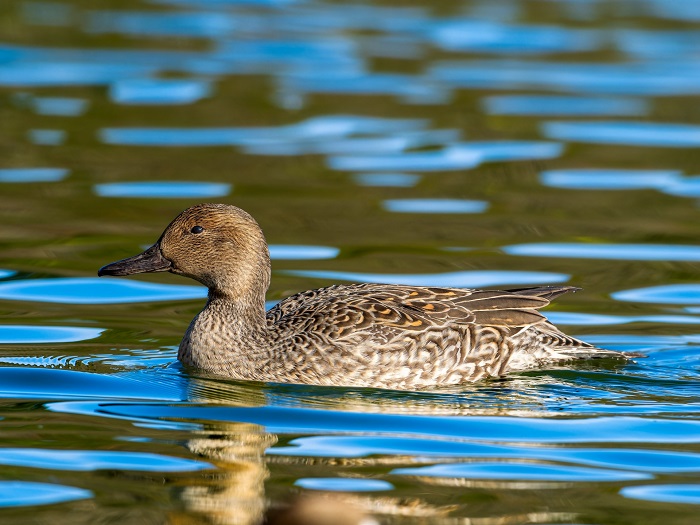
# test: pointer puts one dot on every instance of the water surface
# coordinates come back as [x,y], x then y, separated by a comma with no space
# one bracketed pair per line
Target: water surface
[479,144]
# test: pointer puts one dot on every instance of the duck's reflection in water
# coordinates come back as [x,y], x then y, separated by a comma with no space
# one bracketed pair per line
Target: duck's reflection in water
[235,493]
[318,509]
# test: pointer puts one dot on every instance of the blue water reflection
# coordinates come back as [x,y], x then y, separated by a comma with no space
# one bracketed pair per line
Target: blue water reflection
[521,471]
[163,189]
[308,17]
[641,341]
[465,279]
[686,11]
[685,187]
[507,150]
[46,383]
[586,319]
[552,105]
[435,206]
[19,334]
[490,37]
[409,89]
[665,294]
[456,156]
[85,460]
[48,72]
[366,446]
[670,493]
[158,24]
[47,137]
[60,106]
[627,252]
[648,44]
[6,273]
[399,180]
[159,91]
[389,143]
[344,484]
[610,179]
[449,158]
[644,78]
[629,133]
[302,252]
[326,127]
[33,174]
[104,290]
[283,56]
[26,493]
[292,420]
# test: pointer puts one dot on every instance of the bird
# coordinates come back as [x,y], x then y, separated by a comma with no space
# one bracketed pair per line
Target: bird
[388,336]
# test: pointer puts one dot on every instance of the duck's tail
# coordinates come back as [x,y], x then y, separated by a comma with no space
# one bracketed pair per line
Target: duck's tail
[544,343]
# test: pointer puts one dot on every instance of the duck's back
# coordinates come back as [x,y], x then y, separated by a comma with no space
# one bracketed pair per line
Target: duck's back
[401,336]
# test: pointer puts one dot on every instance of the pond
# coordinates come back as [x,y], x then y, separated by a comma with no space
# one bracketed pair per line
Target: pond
[468,144]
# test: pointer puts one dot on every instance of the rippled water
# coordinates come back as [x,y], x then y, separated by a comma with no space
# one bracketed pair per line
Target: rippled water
[472,144]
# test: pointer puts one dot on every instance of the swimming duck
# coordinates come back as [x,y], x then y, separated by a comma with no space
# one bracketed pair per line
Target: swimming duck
[367,335]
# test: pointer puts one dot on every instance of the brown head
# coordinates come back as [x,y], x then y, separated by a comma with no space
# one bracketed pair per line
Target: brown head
[218,245]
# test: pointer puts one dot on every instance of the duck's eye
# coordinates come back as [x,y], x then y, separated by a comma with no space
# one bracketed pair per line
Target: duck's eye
[197,229]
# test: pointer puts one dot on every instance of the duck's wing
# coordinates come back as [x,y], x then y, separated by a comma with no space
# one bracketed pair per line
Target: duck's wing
[342,310]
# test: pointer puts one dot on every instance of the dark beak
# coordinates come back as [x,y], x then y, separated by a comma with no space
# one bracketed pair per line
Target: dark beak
[151,260]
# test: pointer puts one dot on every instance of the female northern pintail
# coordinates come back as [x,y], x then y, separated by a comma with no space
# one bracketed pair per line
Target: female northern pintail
[374,335]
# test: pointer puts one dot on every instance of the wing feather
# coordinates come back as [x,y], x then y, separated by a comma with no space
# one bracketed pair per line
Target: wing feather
[341,310]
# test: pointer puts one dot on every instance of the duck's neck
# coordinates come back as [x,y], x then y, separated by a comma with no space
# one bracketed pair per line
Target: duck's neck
[228,336]
[244,312]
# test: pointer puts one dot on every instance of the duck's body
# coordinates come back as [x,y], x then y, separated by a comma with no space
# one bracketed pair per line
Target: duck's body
[373,335]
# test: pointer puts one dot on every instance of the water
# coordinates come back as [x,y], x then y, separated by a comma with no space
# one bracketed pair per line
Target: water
[474,144]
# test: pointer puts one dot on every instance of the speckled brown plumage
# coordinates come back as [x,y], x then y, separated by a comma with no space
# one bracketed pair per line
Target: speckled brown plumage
[377,335]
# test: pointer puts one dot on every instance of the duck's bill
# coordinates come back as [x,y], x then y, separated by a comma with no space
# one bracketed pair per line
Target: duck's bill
[151,260]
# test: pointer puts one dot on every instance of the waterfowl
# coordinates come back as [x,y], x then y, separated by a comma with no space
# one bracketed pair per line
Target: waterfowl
[368,335]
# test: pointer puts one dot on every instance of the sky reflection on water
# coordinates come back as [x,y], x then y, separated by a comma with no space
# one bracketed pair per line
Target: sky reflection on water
[609,179]
[365,446]
[591,78]
[629,133]
[400,180]
[97,460]
[60,106]
[435,206]
[326,128]
[159,91]
[521,471]
[47,137]
[164,190]
[548,105]
[44,383]
[344,484]
[628,252]
[29,493]
[30,334]
[672,493]
[94,290]
[299,252]
[465,279]
[33,174]
[664,294]
[290,420]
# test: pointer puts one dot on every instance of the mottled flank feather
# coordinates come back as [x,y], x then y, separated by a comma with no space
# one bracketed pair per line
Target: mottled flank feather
[374,335]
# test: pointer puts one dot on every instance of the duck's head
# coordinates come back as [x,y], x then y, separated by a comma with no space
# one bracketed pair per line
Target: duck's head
[218,245]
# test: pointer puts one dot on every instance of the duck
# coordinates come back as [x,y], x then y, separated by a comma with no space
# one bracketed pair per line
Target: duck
[389,336]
